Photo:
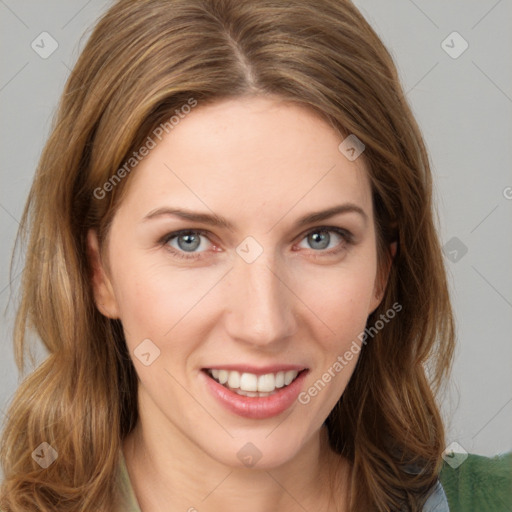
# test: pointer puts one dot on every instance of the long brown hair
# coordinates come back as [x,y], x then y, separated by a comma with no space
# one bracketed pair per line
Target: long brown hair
[144,60]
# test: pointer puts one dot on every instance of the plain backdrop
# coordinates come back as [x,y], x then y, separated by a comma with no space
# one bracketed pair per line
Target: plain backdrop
[455,62]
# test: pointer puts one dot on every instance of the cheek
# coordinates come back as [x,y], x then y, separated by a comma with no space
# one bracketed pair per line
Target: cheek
[155,302]
[340,296]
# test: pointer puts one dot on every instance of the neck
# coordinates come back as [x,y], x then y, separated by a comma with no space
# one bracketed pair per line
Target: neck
[180,476]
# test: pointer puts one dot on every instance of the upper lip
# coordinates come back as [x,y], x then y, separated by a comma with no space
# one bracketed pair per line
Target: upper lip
[257,370]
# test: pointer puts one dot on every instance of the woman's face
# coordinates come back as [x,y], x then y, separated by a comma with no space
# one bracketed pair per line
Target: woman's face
[249,287]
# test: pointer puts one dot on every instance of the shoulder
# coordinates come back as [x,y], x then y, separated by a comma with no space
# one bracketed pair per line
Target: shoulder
[127,499]
[437,501]
[478,483]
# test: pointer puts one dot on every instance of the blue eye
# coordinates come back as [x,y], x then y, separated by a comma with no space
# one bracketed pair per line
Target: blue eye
[184,243]
[320,239]
[187,242]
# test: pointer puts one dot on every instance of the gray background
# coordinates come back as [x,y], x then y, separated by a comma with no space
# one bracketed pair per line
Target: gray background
[464,108]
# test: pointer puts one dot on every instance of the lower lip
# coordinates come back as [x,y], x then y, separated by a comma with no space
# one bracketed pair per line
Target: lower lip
[256,407]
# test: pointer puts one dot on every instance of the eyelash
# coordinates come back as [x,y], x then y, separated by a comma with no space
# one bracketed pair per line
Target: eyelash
[347,239]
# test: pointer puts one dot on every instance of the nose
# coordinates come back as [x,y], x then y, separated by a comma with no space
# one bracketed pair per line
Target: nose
[260,303]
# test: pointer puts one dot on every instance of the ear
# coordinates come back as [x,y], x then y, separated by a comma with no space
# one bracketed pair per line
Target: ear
[102,287]
[381,280]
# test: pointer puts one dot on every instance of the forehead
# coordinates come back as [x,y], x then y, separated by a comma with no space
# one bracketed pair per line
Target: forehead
[256,156]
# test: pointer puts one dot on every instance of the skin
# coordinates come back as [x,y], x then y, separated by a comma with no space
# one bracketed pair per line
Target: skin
[261,163]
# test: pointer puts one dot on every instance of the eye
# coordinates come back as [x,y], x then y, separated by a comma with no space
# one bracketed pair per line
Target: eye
[185,241]
[321,238]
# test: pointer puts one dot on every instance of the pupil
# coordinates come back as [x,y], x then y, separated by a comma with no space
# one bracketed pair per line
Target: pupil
[189,245]
[321,237]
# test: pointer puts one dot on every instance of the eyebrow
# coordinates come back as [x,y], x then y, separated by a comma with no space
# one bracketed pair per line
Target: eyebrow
[219,221]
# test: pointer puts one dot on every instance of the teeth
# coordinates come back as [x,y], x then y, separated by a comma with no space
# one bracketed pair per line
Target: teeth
[289,376]
[266,382]
[234,380]
[251,393]
[279,379]
[223,376]
[250,384]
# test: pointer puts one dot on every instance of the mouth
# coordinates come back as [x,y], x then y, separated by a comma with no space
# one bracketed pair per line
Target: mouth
[251,384]
[255,393]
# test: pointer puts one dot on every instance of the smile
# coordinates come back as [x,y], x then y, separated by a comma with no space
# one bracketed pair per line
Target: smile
[252,385]
[254,395]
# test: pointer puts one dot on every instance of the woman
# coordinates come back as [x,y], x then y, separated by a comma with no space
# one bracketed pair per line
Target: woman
[233,264]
